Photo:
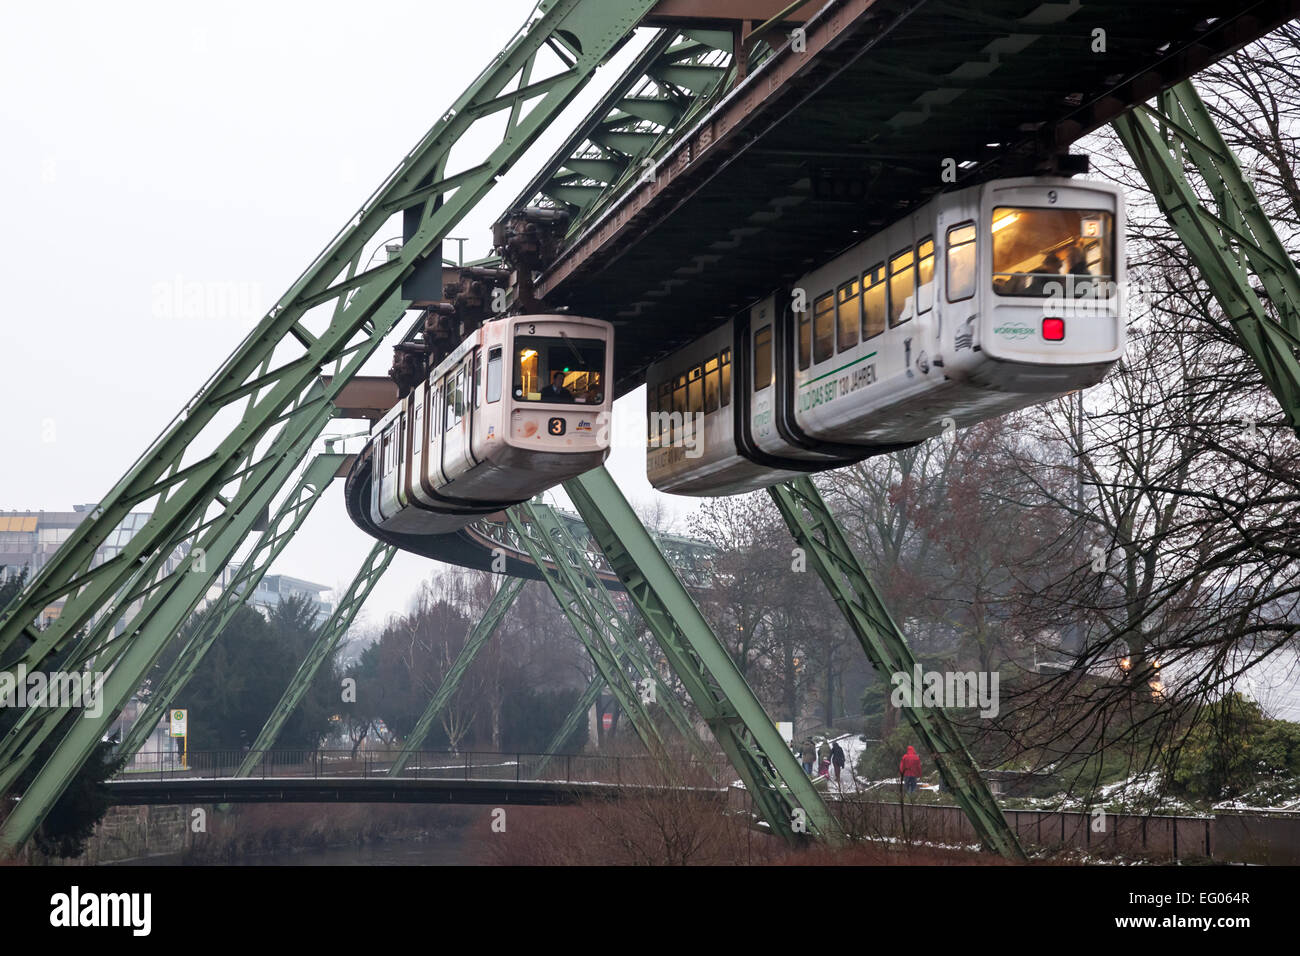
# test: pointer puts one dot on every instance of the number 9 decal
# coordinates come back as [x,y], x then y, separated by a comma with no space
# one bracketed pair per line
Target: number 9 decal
[1051,195]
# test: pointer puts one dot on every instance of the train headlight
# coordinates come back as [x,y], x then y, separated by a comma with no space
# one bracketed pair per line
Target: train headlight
[1054,329]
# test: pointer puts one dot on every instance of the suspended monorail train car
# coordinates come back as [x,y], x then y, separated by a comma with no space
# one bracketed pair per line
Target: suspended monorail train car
[985,300]
[520,405]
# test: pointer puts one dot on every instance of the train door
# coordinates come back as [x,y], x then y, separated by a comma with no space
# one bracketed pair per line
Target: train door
[458,418]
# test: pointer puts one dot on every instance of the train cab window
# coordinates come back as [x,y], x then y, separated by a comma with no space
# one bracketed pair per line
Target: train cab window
[961,262]
[725,361]
[762,358]
[418,425]
[494,375]
[559,370]
[823,328]
[459,396]
[805,339]
[711,385]
[695,391]
[900,287]
[1052,252]
[924,275]
[874,301]
[387,451]
[848,315]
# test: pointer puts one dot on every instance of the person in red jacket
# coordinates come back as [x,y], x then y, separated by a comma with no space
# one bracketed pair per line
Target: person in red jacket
[910,768]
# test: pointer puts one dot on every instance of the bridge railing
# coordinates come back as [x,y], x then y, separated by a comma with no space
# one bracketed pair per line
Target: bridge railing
[630,769]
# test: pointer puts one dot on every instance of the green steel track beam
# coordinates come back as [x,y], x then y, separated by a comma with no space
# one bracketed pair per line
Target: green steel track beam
[293,511]
[626,642]
[817,533]
[781,791]
[1229,245]
[337,313]
[571,593]
[478,636]
[327,640]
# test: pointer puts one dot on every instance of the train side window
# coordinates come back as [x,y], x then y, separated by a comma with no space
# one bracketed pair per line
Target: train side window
[695,391]
[388,451]
[418,426]
[874,304]
[961,262]
[665,407]
[762,358]
[823,328]
[711,385]
[900,287]
[449,403]
[679,408]
[725,361]
[925,274]
[494,375]
[805,340]
[848,315]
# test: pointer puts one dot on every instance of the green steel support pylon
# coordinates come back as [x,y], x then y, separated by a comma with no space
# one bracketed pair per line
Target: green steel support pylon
[327,639]
[621,635]
[569,591]
[575,717]
[477,637]
[816,531]
[149,631]
[784,795]
[293,511]
[1228,247]
[165,599]
[337,313]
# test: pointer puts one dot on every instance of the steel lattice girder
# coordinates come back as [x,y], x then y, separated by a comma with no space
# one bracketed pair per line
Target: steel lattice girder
[816,531]
[784,795]
[676,74]
[584,703]
[147,635]
[178,473]
[366,305]
[166,599]
[616,625]
[571,595]
[474,642]
[293,511]
[1228,247]
[327,639]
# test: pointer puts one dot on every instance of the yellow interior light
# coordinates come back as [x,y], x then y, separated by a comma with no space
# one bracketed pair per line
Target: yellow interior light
[1005,221]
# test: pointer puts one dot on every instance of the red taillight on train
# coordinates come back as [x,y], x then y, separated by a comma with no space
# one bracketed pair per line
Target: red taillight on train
[1053,329]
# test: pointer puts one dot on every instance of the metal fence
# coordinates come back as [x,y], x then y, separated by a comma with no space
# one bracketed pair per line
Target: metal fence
[430,765]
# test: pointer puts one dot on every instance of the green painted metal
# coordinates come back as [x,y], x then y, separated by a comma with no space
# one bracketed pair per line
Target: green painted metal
[783,794]
[477,637]
[153,596]
[1229,245]
[667,84]
[327,640]
[570,724]
[829,553]
[292,512]
[148,633]
[571,593]
[337,312]
[622,636]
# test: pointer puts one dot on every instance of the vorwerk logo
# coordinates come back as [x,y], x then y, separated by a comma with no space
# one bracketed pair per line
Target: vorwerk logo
[75,909]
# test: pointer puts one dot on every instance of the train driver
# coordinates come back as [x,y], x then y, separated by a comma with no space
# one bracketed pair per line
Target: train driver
[556,392]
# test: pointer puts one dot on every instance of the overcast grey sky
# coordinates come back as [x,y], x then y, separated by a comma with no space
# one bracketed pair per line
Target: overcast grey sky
[151,146]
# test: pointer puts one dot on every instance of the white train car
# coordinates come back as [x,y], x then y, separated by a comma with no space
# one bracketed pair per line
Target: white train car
[985,300]
[522,404]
